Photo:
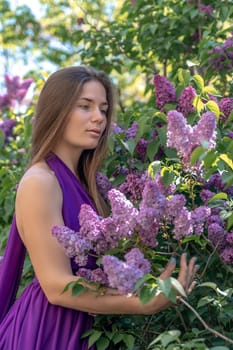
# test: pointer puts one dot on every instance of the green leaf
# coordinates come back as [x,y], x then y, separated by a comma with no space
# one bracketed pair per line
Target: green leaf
[102,343]
[129,145]
[210,90]
[230,222]
[169,335]
[168,176]
[154,168]
[177,285]
[117,338]
[78,289]
[129,341]
[220,195]
[93,338]
[219,348]
[165,286]
[204,301]
[2,138]
[152,149]
[199,82]
[210,158]
[147,293]
[183,76]
[214,108]
[208,284]
[227,160]
[196,154]
[198,104]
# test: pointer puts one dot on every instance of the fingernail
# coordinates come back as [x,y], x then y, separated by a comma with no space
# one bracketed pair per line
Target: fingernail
[172,260]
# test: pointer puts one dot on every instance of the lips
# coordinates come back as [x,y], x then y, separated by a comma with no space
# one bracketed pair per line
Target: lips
[95,131]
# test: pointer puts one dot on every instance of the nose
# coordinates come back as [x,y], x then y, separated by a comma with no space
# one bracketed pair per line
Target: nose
[98,116]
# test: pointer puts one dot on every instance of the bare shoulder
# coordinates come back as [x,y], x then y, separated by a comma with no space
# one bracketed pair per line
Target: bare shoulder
[39,180]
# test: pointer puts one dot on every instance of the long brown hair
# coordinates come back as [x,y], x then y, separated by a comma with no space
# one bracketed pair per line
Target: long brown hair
[56,100]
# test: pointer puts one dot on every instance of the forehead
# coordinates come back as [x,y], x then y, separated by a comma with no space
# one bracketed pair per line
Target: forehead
[94,90]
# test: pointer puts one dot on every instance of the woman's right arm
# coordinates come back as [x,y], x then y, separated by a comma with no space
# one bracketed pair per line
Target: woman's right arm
[38,209]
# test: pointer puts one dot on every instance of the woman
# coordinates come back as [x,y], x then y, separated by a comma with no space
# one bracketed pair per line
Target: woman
[69,140]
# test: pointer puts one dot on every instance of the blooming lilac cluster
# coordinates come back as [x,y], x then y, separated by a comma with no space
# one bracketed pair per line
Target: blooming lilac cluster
[7,127]
[124,214]
[199,216]
[221,56]
[204,130]
[206,9]
[226,107]
[133,186]
[75,246]
[185,138]
[116,129]
[16,91]
[124,275]
[103,184]
[164,91]
[132,131]
[141,148]
[185,101]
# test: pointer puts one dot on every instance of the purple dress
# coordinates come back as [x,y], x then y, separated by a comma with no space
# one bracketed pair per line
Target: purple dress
[31,322]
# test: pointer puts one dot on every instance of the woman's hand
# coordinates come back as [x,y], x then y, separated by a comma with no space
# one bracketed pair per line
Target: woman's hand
[186,278]
[186,274]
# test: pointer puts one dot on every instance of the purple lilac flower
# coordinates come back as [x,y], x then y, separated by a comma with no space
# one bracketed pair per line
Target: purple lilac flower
[206,195]
[84,273]
[182,224]
[149,236]
[153,198]
[90,229]
[74,245]
[99,276]
[5,101]
[7,127]
[206,9]
[146,217]
[229,191]
[124,213]
[179,134]
[16,87]
[226,107]
[164,91]
[217,236]
[221,57]
[103,184]
[174,205]
[110,232]
[215,219]
[165,190]
[229,238]
[230,134]
[216,182]
[227,254]
[199,217]
[205,130]
[135,258]
[116,129]
[133,186]
[185,101]
[141,148]
[89,223]
[121,276]
[132,131]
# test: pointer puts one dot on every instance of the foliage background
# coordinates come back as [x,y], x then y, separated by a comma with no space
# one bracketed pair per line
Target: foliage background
[130,40]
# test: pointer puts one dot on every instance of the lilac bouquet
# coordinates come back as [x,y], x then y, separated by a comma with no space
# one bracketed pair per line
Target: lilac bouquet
[125,242]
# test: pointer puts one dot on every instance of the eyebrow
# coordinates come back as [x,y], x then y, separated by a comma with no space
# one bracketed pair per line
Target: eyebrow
[90,100]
